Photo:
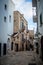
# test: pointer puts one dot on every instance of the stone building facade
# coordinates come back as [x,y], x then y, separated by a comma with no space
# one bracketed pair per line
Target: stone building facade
[22,37]
[20,29]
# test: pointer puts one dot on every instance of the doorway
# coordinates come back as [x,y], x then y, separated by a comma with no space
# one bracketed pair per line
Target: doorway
[26,46]
[12,46]
[22,47]
[42,48]
[4,49]
[16,47]
[0,49]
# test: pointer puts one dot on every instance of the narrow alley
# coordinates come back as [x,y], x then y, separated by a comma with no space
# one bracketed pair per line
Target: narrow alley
[20,58]
[21,32]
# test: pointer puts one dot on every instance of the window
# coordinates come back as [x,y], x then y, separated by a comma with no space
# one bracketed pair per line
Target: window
[21,25]
[10,18]
[40,19]
[5,19]
[5,7]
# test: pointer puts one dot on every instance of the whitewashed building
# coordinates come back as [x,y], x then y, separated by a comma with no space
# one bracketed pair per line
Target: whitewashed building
[38,5]
[38,18]
[6,24]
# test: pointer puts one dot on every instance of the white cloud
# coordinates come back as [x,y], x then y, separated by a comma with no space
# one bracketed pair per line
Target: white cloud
[24,7]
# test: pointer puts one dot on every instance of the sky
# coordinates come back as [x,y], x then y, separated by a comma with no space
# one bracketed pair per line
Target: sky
[25,7]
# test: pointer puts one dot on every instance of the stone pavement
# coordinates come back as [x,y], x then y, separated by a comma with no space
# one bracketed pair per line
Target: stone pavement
[19,58]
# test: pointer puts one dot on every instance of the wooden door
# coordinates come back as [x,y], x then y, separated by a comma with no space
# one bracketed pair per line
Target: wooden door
[4,49]
[0,49]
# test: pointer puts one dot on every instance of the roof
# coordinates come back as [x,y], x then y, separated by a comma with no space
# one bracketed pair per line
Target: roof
[14,34]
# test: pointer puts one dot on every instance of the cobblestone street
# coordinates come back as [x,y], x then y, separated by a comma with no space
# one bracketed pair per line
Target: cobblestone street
[19,58]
